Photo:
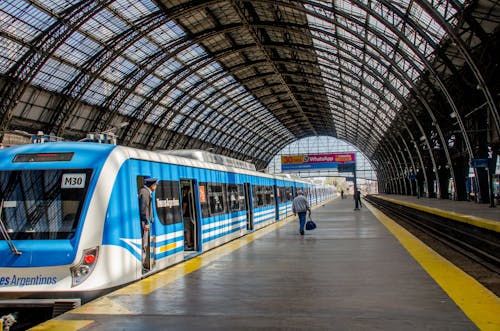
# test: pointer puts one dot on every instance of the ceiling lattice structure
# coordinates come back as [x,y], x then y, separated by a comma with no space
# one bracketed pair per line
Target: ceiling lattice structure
[245,78]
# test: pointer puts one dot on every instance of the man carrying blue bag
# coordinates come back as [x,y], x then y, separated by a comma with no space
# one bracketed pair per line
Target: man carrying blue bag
[300,206]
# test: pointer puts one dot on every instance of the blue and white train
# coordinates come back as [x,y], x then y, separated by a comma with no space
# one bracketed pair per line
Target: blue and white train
[69,213]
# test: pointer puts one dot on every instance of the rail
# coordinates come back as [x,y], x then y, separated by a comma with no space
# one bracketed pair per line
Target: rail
[477,244]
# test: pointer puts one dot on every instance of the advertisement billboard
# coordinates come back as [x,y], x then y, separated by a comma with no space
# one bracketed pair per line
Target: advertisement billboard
[316,161]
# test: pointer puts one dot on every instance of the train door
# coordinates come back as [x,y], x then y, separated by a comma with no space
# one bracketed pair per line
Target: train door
[147,233]
[189,214]
[248,205]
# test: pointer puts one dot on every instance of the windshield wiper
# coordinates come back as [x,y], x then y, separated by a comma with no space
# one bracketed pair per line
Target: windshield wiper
[5,234]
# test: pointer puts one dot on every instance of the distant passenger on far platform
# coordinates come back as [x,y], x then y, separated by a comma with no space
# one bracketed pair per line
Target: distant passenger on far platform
[342,194]
[357,200]
[300,206]
[146,212]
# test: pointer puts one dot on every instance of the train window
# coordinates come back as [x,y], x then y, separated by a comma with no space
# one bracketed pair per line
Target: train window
[289,195]
[216,198]
[281,194]
[269,195]
[258,196]
[202,188]
[236,197]
[42,204]
[167,202]
[263,195]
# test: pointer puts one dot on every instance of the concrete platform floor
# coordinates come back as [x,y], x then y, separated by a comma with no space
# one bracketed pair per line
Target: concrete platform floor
[351,273]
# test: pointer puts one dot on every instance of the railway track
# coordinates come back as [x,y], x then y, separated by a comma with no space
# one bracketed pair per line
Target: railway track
[448,237]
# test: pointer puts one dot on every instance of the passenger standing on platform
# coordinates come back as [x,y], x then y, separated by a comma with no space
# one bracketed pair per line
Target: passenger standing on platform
[357,199]
[342,194]
[146,212]
[300,206]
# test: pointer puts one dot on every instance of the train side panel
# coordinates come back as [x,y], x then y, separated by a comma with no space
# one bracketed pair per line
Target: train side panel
[285,198]
[264,201]
[220,222]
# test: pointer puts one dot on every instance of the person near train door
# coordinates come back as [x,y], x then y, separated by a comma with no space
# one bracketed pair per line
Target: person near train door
[146,212]
[300,206]
[188,219]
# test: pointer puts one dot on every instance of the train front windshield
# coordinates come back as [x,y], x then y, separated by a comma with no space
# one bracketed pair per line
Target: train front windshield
[42,204]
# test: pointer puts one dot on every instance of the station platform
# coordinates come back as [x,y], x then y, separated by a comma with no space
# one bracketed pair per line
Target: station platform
[480,215]
[357,271]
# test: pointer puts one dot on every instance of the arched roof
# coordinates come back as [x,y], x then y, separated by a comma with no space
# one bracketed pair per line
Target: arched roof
[245,77]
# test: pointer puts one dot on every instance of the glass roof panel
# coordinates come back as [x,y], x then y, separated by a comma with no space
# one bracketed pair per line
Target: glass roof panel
[167,33]
[57,5]
[118,70]
[187,109]
[78,49]
[191,53]
[188,82]
[54,75]
[209,68]
[105,25]
[131,103]
[98,92]
[171,65]
[148,84]
[160,112]
[134,9]
[174,122]
[10,51]
[173,96]
[433,29]
[22,20]
[206,92]
[141,49]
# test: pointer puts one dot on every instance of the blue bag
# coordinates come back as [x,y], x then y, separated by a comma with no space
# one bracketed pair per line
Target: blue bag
[310,225]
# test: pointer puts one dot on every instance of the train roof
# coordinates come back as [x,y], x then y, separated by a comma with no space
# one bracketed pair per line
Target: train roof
[166,157]
[205,156]
[91,153]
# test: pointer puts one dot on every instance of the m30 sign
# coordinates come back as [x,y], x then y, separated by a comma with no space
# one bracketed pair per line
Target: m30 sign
[315,161]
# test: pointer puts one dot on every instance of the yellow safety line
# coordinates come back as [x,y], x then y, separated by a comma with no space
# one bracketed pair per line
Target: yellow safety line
[469,219]
[102,305]
[478,303]
[62,325]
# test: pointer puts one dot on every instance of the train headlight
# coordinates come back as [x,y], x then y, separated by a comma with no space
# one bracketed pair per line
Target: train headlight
[81,271]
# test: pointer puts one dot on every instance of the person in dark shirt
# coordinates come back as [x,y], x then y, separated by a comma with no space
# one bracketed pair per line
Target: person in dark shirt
[188,219]
[146,214]
[357,200]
